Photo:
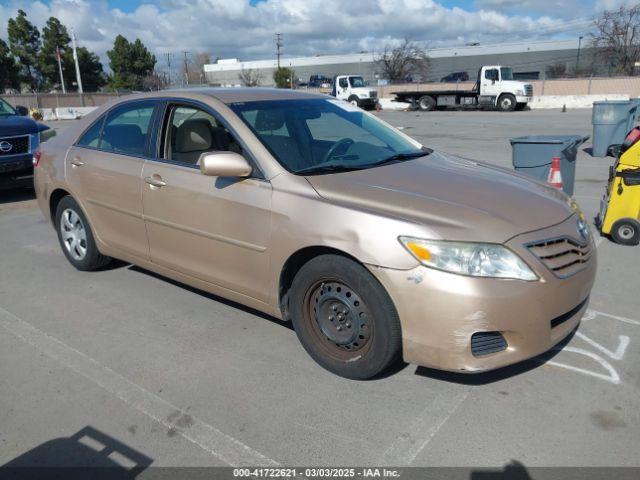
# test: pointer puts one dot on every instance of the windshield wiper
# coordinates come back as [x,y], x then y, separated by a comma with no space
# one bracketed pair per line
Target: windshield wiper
[398,157]
[328,168]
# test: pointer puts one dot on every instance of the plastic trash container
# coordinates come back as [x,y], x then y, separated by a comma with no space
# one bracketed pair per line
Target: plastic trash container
[611,121]
[532,156]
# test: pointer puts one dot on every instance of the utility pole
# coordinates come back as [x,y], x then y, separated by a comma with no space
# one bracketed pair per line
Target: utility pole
[186,66]
[75,59]
[578,58]
[169,55]
[278,46]
[64,90]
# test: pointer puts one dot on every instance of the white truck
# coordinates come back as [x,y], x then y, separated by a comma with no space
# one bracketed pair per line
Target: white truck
[354,90]
[495,88]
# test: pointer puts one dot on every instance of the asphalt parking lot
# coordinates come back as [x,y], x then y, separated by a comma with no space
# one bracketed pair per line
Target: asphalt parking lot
[165,375]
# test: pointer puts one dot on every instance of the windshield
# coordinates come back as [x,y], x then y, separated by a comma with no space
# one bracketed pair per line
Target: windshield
[319,136]
[6,109]
[506,73]
[356,82]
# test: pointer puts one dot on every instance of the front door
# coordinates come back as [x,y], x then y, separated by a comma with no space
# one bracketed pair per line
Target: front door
[490,82]
[104,171]
[216,229]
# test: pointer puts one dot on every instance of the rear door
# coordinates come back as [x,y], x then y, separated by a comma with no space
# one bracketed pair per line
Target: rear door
[104,172]
[216,229]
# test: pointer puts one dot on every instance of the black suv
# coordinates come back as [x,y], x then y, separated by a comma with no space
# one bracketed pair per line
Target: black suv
[19,138]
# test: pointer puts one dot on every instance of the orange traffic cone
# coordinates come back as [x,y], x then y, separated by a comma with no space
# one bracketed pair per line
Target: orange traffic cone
[555,175]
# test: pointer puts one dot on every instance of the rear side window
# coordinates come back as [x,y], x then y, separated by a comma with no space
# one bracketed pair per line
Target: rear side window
[91,137]
[127,128]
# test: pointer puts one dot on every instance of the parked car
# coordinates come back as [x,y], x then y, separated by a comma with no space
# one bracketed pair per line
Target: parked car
[19,138]
[455,77]
[311,210]
[319,81]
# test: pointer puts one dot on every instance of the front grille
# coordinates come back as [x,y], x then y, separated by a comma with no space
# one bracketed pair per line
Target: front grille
[566,316]
[485,343]
[528,90]
[18,145]
[563,256]
[373,93]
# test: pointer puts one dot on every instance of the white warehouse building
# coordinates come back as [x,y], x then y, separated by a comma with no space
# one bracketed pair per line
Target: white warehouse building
[530,60]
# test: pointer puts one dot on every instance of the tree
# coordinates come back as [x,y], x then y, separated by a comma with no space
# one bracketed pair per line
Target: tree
[130,62]
[282,76]
[617,38]
[9,71]
[54,36]
[24,42]
[250,77]
[404,62]
[557,70]
[91,70]
[155,81]
[193,70]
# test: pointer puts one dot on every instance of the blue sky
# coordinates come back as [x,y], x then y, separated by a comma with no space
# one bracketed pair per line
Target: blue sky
[244,28]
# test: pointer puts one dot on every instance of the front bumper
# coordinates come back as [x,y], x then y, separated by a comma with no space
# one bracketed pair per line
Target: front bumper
[439,312]
[523,99]
[16,170]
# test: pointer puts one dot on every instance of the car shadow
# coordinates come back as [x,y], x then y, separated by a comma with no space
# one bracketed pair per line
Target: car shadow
[213,297]
[493,376]
[512,471]
[17,195]
[89,453]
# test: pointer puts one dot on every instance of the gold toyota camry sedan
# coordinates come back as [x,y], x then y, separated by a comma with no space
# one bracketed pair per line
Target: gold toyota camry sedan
[302,206]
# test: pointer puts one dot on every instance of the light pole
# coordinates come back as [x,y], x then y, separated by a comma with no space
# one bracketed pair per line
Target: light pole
[578,57]
[75,59]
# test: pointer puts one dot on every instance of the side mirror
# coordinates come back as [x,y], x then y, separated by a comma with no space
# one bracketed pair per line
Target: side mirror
[224,164]
[22,111]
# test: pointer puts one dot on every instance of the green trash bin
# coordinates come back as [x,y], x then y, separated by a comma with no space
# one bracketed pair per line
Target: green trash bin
[612,120]
[533,155]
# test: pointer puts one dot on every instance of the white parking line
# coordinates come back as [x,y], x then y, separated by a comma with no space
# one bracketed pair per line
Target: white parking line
[226,448]
[405,448]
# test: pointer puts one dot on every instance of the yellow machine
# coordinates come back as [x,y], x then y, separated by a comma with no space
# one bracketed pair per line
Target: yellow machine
[620,207]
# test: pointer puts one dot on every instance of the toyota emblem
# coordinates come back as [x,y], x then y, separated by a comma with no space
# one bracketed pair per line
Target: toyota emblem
[5,146]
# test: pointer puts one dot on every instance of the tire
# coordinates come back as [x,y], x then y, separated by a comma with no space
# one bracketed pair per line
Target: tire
[426,103]
[626,231]
[507,103]
[354,100]
[76,238]
[344,318]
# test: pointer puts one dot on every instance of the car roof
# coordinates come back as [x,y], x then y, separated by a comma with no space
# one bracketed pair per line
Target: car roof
[231,95]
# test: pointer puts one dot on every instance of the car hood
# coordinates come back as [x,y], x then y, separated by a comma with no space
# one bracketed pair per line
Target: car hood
[17,125]
[455,198]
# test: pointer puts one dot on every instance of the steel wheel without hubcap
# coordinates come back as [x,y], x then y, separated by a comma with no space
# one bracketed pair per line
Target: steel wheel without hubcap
[74,235]
[339,318]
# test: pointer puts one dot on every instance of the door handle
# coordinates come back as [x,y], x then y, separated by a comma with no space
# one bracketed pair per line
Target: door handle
[155,182]
[76,162]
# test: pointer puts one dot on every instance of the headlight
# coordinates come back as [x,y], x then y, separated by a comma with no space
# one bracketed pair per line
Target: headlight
[520,93]
[473,259]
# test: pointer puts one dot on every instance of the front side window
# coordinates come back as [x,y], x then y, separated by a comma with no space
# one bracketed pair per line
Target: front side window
[320,136]
[126,129]
[189,132]
[491,74]
[343,83]
[6,109]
